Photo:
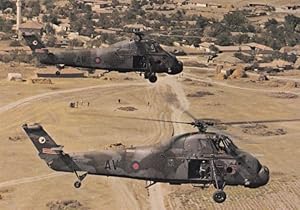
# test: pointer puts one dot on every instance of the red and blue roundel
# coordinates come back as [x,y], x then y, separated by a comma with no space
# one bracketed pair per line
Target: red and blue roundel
[97,60]
[135,165]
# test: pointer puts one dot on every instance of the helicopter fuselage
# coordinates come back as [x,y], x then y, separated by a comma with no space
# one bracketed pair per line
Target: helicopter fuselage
[142,55]
[199,158]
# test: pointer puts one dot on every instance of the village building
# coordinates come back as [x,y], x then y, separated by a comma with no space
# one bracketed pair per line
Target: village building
[287,49]
[31,27]
[232,49]
[278,65]
[259,48]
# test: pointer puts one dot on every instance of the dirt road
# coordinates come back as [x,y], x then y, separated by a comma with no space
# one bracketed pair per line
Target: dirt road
[224,84]
[158,191]
[48,94]
[29,179]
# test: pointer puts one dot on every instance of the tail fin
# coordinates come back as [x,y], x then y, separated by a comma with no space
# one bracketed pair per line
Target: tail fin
[33,41]
[48,150]
[41,140]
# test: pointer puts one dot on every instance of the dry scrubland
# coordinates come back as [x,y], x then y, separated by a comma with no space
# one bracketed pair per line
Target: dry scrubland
[27,183]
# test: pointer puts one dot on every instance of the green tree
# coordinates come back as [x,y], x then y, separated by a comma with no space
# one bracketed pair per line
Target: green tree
[291,22]
[49,29]
[201,22]
[51,18]
[32,8]
[49,4]
[242,38]
[6,4]
[76,43]
[6,25]
[224,39]
[51,41]
[237,21]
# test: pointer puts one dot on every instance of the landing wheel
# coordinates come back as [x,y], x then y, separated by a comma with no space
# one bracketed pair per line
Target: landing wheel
[77,184]
[57,73]
[153,78]
[219,196]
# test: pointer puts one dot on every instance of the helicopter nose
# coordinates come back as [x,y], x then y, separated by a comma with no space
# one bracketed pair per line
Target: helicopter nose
[177,67]
[263,175]
[262,178]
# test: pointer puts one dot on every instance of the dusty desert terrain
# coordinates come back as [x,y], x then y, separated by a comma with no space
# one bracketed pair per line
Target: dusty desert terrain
[27,183]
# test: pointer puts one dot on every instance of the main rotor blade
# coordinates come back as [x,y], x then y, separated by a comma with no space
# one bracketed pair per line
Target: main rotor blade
[257,121]
[189,114]
[155,120]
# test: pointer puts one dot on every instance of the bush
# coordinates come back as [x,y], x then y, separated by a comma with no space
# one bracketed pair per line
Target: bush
[32,8]
[237,21]
[94,43]
[224,39]
[51,41]
[6,25]
[291,22]
[217,29]
[242,38]
[6,4]
[76,43]
[17,56]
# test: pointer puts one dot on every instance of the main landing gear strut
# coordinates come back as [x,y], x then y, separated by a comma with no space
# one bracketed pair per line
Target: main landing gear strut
[77,184]
[219,196]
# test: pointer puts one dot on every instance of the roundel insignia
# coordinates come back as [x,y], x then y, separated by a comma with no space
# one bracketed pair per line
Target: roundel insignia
[42,140]
[135,166]
[97,60]
[35,42]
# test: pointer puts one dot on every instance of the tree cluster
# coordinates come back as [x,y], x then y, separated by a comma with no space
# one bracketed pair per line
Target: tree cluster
[31,8]
[278,35]
[17,56]
[81,19]
[6,25]
[4,4]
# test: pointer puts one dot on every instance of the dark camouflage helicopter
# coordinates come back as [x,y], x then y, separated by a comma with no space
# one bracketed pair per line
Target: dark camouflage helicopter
[137,55]
[200,158]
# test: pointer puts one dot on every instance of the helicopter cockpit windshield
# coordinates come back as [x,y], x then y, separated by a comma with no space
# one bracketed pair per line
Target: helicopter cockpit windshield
[224,145]
[153,47]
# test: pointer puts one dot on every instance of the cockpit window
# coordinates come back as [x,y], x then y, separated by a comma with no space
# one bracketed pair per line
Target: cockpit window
[223,144]
[153,47]
[157,46]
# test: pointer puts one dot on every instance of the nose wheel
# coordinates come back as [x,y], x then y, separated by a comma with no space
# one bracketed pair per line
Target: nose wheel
[219,196]
[77,184]
[153,78]
[150,76]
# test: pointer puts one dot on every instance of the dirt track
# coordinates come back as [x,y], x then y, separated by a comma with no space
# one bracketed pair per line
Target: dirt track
[43,95]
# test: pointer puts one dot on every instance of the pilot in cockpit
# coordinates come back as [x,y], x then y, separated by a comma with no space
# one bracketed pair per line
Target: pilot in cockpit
[218,144]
